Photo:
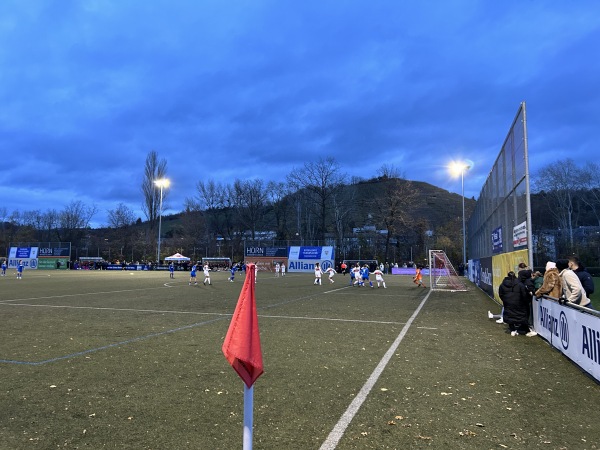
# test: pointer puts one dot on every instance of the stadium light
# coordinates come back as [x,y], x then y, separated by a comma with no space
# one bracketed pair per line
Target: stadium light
[161,183]
[459,168]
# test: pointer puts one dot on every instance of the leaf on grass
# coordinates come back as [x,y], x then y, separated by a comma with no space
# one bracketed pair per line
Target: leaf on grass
[364,433]
[383,389]
[399,417]
[391,422]
[52,386]
[479,425]
[446,393]
[425,438]
[472,384]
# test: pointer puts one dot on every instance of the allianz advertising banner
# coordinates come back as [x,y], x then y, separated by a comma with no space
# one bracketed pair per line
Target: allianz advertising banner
[27,255]
[572,332]
[303,259]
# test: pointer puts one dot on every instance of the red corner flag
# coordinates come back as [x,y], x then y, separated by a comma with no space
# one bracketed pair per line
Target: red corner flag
[242,343]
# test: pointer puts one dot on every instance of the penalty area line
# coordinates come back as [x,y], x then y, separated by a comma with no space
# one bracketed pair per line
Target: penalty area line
[340,427]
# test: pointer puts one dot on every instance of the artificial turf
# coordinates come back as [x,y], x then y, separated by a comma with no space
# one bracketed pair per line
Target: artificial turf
[100,359]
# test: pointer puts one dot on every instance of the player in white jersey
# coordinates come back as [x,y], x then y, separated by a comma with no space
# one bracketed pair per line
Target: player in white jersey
[357,276]
[379,278]
[318,274]
[283,270]
[206,274]
[277,268]
[331,271]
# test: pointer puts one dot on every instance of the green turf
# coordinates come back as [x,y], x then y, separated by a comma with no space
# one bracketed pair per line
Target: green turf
[127,362]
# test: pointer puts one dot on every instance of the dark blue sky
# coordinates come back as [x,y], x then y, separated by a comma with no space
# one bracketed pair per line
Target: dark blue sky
[245,89]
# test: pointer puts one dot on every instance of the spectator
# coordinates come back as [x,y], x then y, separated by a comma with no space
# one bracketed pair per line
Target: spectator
[551,286]
[538,280]
[586,279]
[572,289]
[516,301]
[525,276]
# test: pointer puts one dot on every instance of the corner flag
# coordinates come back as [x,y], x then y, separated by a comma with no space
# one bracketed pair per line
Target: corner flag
[242,342]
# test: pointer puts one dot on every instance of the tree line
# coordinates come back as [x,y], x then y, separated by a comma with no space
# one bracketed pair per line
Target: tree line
[386,217]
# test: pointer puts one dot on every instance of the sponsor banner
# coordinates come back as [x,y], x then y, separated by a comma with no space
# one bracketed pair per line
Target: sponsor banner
[308,265]
[520,235]
[497,240]
[27,256]
[268,264]
[50,263]
[276,252]
[130,267]
[505,263]
[572,332]
[50,252]
[411,271]
[315,253]
[256,251]
[486,279]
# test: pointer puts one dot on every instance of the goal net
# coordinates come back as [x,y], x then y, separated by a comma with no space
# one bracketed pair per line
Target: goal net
[443,276]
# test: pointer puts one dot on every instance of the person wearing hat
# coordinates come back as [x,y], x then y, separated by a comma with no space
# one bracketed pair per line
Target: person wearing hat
[551,286]
[572,289]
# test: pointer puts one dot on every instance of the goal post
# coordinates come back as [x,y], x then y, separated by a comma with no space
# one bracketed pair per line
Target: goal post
[442,274]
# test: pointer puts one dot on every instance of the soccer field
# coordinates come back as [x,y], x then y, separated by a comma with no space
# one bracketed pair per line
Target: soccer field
[101,359]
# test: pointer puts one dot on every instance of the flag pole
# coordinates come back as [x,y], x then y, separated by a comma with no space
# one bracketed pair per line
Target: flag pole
[248,416]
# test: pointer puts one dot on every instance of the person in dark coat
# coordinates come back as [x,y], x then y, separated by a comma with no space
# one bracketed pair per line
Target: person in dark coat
[516,300]
[584,276]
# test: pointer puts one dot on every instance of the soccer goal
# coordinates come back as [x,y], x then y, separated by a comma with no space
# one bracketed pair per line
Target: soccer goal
[442,275]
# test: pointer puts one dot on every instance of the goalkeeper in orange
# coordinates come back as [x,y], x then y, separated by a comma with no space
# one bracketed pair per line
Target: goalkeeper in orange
[418,278]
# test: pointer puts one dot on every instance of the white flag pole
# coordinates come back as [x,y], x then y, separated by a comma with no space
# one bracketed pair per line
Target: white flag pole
[248,418]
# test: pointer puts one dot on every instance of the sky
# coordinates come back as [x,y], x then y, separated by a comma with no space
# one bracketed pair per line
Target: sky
[255,89]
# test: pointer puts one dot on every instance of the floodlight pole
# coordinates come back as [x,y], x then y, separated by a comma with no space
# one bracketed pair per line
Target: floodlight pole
[462,176]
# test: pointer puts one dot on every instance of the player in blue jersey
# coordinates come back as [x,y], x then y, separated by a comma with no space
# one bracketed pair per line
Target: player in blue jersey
[20,268]
[232,273]
[3,267]
[193,275]
[171,271]
[365,275]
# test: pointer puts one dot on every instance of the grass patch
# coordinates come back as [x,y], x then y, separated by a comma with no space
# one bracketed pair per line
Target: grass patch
[133,360]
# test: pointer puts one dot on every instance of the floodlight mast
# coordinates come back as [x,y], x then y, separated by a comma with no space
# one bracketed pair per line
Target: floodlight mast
[161,183]
[460,168]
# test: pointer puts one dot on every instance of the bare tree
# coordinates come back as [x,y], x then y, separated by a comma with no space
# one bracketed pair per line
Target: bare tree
[154,169]
[74,219]
[277,193]
[121,216]
[319,181]
[560,182]
[250,202]
[591,182]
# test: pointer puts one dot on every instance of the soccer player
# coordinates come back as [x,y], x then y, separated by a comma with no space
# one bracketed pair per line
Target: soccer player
[20,270]
[318,274]
[418,278]
[171,271]
[3,267]
[356,272]
[331,271]
[283,270]
[232,273]
[277,269]
[193,275]
[379,278]
[206,274]
[365,276]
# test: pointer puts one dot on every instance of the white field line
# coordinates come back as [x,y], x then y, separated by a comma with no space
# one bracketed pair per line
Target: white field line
[79,295]
[340,427]
[160,311]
